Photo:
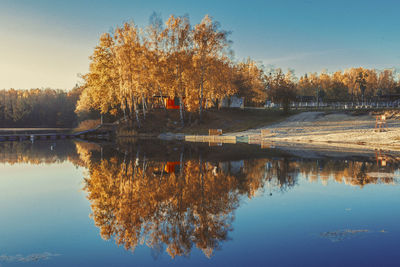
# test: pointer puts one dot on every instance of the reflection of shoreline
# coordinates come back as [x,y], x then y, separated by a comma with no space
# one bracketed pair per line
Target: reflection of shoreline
[175,196]
[314,151]
[333,130]
[41,152]
[175,204]
[187,198]
[383,175]
[378,165]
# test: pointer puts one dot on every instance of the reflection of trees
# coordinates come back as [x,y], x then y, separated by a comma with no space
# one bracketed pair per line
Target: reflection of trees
[47,152]
[282,174]
[177,204]
[190,200]
[356,173]
[139,202]
[175,198]
[84,153]
[279,172]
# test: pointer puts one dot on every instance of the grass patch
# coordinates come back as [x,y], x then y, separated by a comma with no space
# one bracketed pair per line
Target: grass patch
[235,120]
[86,125]
[229,120]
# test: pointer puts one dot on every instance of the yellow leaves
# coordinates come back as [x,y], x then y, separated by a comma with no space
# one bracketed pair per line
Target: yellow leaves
[173,61]
[84,103]
[349,85]
[249,81]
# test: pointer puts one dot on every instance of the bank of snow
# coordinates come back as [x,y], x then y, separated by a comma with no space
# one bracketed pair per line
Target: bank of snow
[338,130]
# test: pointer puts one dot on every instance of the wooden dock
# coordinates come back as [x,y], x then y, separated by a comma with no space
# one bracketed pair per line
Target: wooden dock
[100,132]
[255,139]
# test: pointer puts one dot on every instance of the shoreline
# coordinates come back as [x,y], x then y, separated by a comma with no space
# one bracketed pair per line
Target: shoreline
[337,131]
[330,130]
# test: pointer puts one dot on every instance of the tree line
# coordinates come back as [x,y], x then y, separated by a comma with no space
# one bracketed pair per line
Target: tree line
[354,84]
[131,66]
[60,108]
[38,108]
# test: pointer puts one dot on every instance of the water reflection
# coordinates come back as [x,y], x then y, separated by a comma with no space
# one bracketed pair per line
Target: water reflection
[350,172]
[41,152]
[159,203]
[175,197]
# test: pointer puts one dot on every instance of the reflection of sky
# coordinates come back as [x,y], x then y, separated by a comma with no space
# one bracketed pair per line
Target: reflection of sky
[45,210]
[290,225]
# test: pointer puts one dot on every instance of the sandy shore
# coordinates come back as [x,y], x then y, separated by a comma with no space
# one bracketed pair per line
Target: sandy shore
[334,130]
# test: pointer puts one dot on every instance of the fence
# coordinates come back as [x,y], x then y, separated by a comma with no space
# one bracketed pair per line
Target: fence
[339,105]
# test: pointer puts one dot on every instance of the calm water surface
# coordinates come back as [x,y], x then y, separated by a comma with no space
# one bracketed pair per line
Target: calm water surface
[151,203]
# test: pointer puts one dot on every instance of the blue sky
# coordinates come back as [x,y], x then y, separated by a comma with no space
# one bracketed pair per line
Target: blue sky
[47,43]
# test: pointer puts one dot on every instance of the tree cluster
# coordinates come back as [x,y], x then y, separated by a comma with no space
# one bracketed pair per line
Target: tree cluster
[38,108]
[131,66]
[351,85]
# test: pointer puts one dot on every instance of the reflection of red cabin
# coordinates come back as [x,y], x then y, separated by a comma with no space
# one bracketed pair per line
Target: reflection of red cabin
[171,103]
[170,167]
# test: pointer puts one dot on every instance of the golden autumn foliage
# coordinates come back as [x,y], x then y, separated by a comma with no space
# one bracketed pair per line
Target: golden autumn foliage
[354,84]
[131,66]
[250,81]
[281,88]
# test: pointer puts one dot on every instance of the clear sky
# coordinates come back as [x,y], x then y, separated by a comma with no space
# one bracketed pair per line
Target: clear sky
[46,43]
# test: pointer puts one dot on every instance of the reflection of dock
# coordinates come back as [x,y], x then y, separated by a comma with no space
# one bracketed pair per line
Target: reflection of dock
[218,140]
[35,136]
[215,137]
[100,132]
[211,138]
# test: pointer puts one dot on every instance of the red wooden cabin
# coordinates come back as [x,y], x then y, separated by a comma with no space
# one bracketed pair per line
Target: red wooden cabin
[171,103]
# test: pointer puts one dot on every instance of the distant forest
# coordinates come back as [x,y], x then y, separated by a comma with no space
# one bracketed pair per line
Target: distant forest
[38,108]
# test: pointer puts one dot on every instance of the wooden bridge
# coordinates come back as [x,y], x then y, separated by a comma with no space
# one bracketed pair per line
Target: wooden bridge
[103,132]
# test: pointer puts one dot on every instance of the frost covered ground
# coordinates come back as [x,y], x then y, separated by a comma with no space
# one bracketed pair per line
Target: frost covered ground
[338,130]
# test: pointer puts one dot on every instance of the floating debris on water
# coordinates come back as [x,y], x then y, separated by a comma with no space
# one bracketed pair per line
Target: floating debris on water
[28,258]
[341,235]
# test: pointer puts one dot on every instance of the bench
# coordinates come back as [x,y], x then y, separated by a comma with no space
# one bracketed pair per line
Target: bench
[214,131]
[380,123]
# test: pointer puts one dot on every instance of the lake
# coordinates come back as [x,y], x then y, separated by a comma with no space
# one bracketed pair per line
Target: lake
[155,203]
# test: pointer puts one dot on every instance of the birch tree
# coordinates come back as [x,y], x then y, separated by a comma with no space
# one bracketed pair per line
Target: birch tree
[102,81]
[209,43]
